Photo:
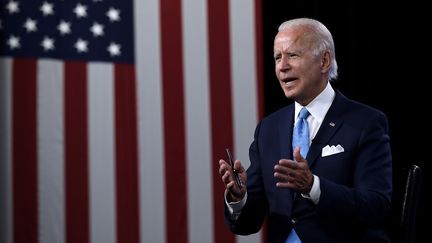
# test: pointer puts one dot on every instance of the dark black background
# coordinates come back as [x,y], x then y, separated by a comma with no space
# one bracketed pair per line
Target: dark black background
[383,57]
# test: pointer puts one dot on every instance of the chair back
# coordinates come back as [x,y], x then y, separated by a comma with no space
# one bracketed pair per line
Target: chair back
[409,204]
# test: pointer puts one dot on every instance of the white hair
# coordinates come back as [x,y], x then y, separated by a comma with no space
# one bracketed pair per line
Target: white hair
[322,38]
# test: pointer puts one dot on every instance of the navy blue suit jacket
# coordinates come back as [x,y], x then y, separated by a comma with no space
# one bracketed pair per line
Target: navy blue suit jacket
[356,185]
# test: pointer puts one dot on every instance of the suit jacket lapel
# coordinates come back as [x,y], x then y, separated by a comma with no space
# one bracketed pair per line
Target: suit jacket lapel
[331,123]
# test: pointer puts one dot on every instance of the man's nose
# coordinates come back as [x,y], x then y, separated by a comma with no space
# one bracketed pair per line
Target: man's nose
[284,64]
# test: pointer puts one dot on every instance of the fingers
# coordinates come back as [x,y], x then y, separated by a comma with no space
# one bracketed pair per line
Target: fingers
[296,183]
[294,175]
[238,167]
[222,166]
[287,172]
[297,156]
[225,167]
[225,172]
[235,193]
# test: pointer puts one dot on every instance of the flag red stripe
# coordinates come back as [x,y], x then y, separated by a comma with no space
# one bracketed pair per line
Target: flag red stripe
[24,155]
[76,153]
[174,121]
[260,78]
[221,105]
[259,58]
[126,154]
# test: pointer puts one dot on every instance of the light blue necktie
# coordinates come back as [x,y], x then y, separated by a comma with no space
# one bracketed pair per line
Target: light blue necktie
[293,237]
[301,133]
[301,139]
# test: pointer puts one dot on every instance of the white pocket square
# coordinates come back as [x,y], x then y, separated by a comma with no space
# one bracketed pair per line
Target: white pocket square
[330,150]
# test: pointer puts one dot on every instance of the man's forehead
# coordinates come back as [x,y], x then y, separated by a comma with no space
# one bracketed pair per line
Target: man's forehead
[287,41]
[292,38]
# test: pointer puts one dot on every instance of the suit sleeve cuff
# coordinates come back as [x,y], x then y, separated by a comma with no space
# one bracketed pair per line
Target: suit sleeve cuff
[234,208]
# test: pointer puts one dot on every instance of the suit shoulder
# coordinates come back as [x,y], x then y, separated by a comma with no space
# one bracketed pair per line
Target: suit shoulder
[362,112]
[276,115]
[364,109]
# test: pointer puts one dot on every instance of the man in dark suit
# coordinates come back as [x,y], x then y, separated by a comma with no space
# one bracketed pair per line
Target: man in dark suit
[338,189]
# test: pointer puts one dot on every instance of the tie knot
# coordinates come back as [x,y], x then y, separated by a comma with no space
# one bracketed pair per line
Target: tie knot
[304,113]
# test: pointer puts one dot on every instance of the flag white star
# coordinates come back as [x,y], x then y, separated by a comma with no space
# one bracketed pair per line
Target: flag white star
[30,25]
[12,7]
[47,8]
[64,27]
[13,42]
[97,29]
[80,10]
[81,45]
[114,49]
[47,43]
[113,14]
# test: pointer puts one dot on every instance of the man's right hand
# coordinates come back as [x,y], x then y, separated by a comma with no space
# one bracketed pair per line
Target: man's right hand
[234,194]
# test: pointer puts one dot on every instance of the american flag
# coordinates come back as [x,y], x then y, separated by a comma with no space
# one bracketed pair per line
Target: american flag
[114,114]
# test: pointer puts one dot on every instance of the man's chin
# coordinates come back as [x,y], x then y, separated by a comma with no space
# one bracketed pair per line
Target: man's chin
[289,92]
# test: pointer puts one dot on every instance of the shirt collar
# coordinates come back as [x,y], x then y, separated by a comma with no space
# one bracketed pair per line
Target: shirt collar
[319,106]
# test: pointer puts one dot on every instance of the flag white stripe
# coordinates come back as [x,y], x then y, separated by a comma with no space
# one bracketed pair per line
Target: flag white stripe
[198,138]
[5,150]
[50,140]
[151,174]
[101,153]
[244,82]
[244,96]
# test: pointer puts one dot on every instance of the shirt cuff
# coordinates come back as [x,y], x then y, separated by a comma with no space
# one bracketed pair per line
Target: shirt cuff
[234,208]
[315,192]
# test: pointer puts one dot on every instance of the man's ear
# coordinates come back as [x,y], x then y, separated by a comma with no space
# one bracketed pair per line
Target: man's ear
[325,61]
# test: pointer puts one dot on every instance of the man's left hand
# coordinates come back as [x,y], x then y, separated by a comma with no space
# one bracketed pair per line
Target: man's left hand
[294,174]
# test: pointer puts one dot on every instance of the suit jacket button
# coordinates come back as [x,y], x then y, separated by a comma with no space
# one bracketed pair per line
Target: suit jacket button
[293,220]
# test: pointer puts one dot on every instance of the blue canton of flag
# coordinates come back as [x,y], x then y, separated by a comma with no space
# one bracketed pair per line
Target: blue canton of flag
[87,30]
